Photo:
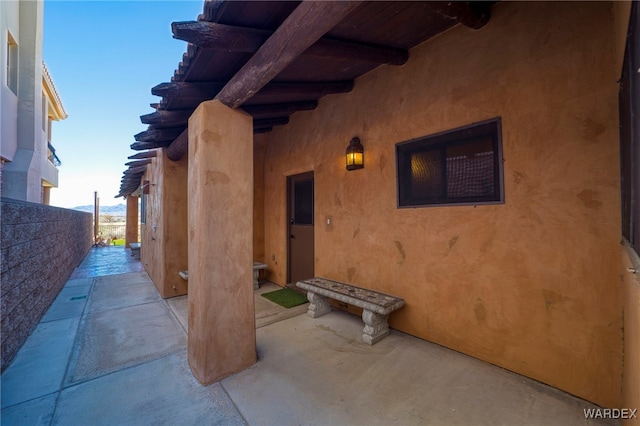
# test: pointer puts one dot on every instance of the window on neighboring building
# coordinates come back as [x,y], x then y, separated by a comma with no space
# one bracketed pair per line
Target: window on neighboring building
[460,166]
[12,64]
[45,113]
[630,134]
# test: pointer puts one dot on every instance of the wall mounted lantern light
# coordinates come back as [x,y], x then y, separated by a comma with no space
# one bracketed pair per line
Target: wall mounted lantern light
[355,154]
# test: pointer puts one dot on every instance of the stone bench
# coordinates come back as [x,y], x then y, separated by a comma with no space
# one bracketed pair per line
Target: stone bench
[257,266]
[376,307]
[135,250]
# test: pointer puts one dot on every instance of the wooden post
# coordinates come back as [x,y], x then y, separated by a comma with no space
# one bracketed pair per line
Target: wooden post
[96,217]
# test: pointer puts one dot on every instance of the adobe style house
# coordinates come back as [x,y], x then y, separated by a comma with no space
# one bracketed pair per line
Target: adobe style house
[498,196]
[29,103]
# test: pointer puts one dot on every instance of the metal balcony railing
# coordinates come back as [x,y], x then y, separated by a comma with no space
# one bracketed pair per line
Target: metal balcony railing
[51,155]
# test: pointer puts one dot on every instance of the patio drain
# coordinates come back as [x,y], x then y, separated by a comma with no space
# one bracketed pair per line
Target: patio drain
[78,298]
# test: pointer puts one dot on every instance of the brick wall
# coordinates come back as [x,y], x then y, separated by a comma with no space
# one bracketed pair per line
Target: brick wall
[41,246]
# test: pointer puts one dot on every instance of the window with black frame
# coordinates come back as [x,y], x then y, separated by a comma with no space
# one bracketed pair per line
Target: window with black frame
[457,167]
[630,134]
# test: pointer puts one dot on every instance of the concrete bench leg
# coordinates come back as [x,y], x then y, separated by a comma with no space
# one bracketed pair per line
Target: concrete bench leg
[318,305]
[256,275]
[376,327]
[257,266]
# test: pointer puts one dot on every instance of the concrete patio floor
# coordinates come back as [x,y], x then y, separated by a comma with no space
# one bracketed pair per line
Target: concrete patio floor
[110,351]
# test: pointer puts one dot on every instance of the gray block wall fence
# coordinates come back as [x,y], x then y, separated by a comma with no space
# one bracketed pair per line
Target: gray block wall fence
[41,246]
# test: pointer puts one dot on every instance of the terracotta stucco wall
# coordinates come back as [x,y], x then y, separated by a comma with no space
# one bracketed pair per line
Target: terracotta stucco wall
[530,285]
[151,252]
[259,147]
[164,235]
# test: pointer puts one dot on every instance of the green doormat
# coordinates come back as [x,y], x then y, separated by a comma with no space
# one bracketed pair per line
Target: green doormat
[286,297]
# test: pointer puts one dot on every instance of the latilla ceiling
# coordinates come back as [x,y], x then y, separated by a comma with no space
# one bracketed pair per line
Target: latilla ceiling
[273,58]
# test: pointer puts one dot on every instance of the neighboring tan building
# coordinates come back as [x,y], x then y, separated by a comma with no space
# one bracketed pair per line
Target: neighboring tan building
[29,104]
[499,190]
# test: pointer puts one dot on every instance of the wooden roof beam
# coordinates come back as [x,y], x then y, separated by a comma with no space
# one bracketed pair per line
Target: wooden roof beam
[138,163]
[167,118]
[211,35]
[216,36]
[179,147]
[311,89]
[189,90]
[127,190]
[134,180]
[269,110]
[159,135]
[474,15]
[132,185]
[302,28]
[141,155]
[141,146]
[204,91]
[135,170]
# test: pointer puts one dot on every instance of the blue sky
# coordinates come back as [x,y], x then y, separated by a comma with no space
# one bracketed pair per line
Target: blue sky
[104,58]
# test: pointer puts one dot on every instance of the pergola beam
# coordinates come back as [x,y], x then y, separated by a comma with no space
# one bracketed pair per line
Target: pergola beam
[187,90]
[159,135]
[299,31]
[135,170]
[179,147]
[141,155]
[138,163]
[199,92]
[302,28]
[167,118]
[132,185]
[141,146]
[270,110]
[211,35]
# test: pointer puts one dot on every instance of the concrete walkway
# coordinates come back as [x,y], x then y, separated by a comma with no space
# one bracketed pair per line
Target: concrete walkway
[110,351]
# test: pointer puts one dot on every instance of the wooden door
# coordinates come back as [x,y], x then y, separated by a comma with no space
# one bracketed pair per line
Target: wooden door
[300,226]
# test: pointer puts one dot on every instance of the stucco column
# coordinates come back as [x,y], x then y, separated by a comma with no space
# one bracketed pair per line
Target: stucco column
[131,233]
[222,338]
[22,176]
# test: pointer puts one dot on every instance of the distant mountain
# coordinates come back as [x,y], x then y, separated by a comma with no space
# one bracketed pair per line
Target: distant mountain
[117,210]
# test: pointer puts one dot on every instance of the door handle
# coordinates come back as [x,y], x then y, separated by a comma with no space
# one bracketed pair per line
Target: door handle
[292,236]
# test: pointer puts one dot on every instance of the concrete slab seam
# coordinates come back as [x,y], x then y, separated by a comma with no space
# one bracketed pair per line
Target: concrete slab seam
[244,419]
[28,400]
[69,384]
[75,354]
[175,316]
